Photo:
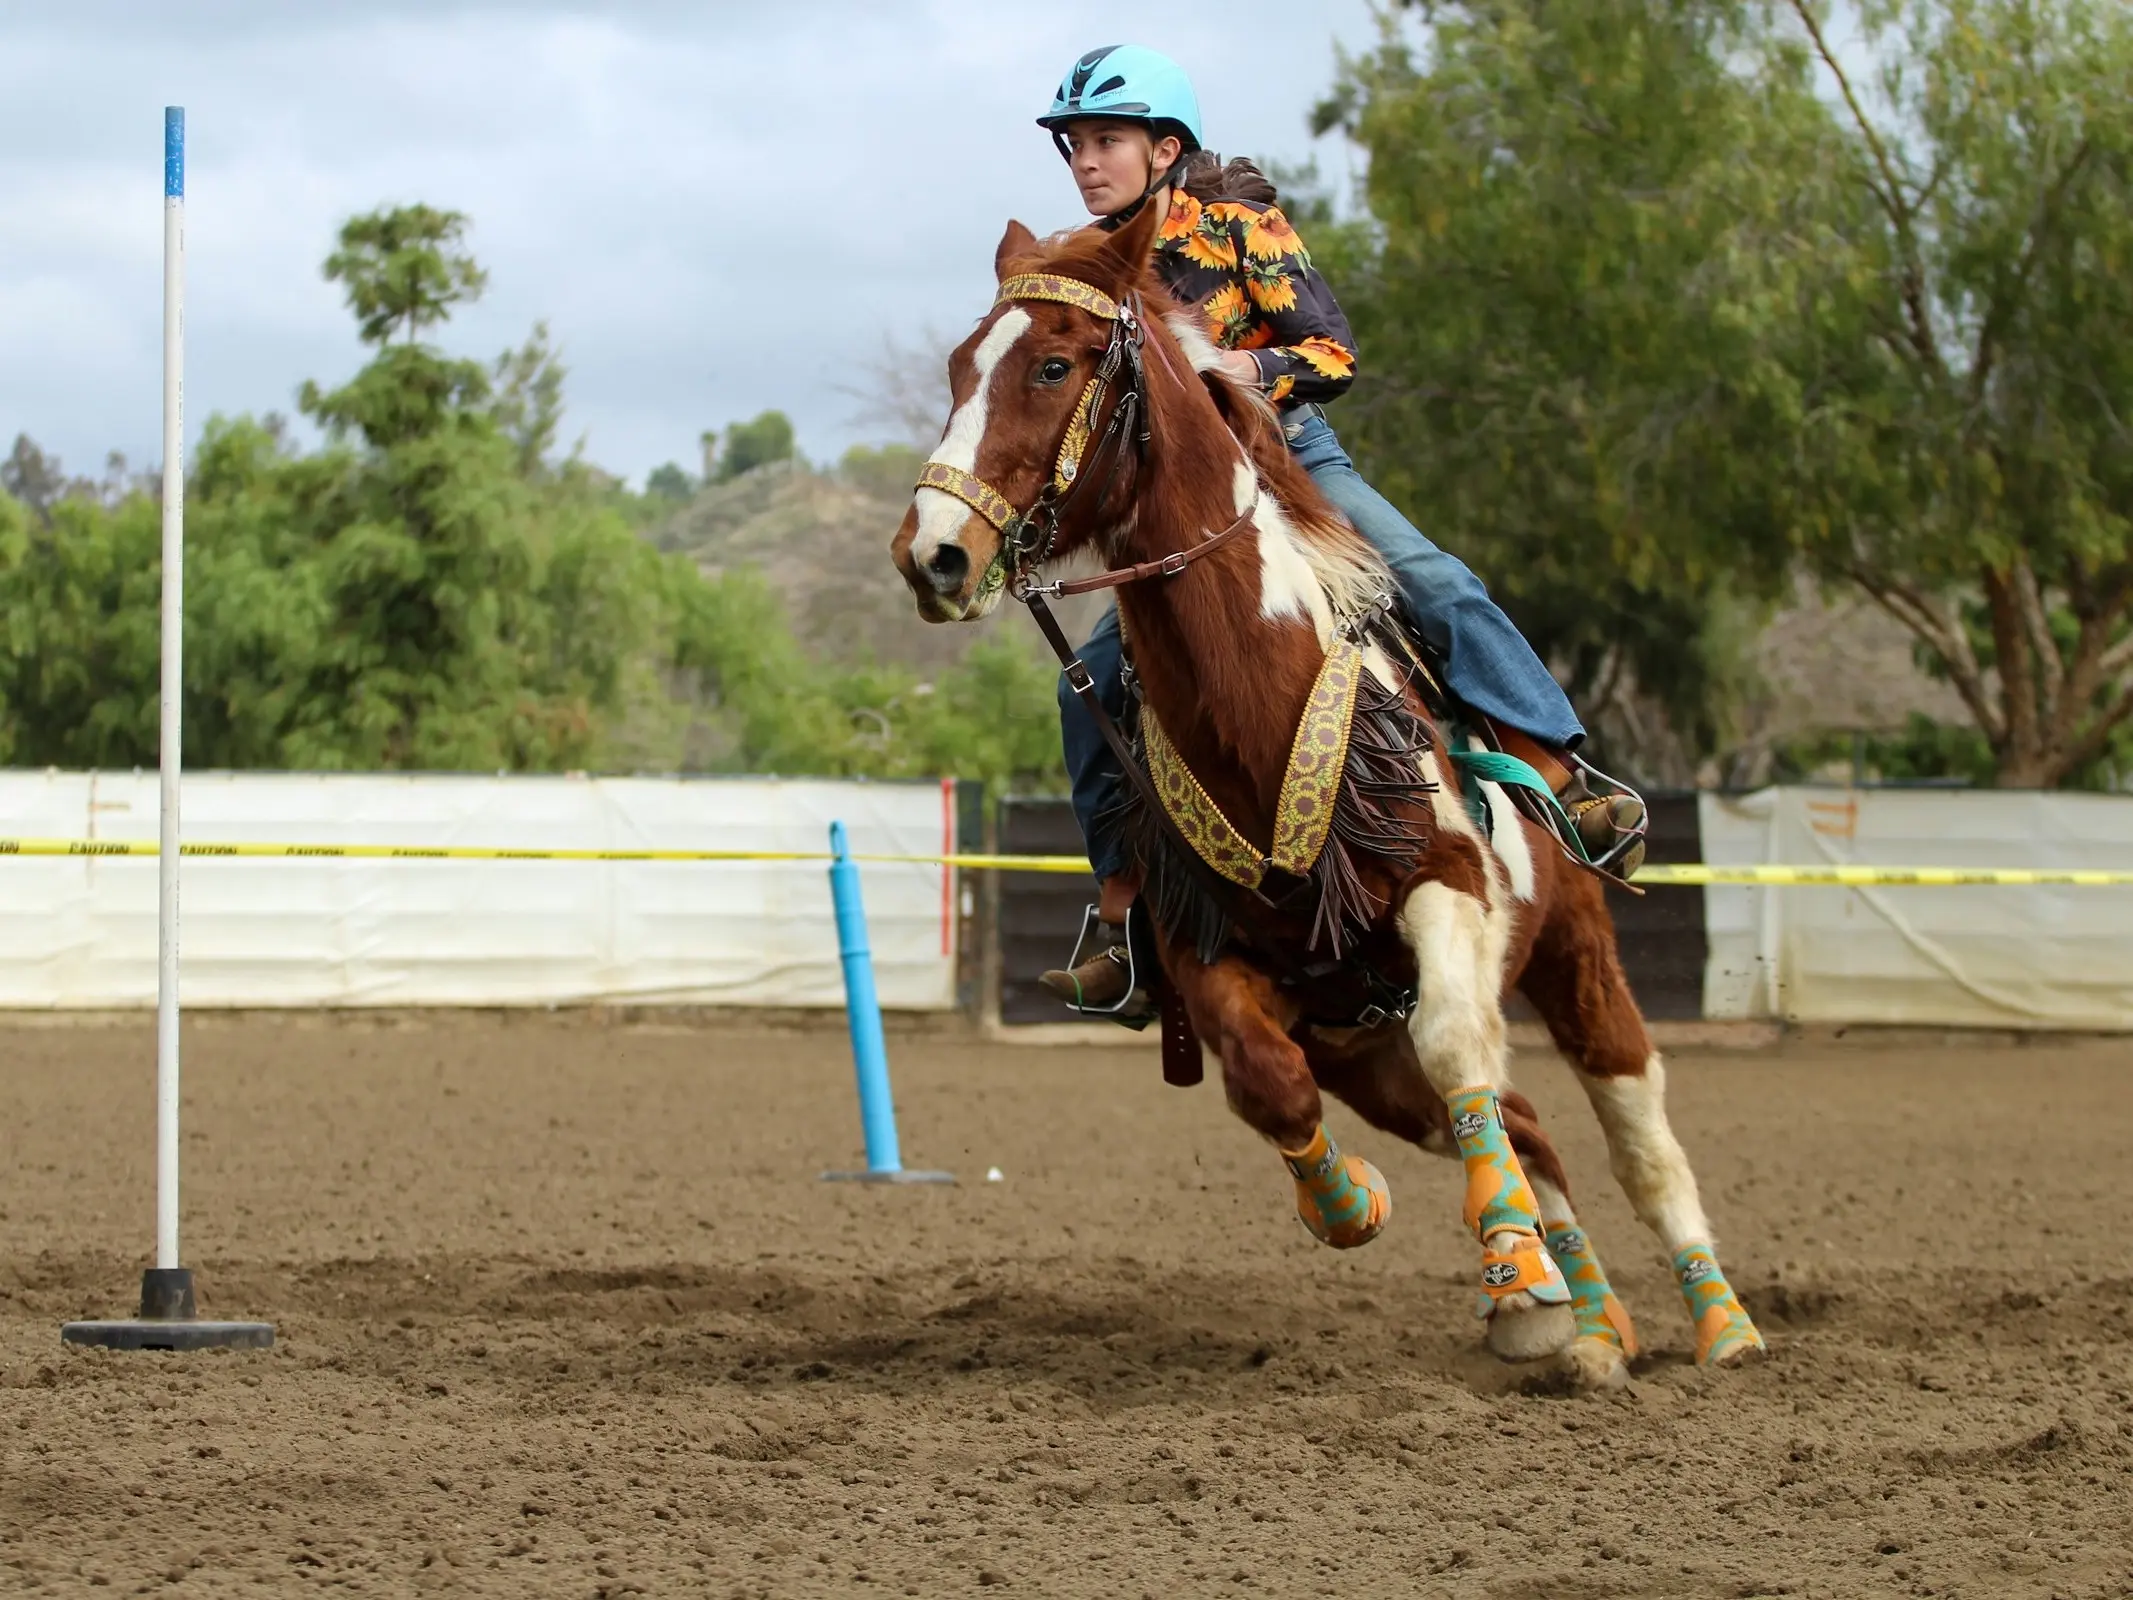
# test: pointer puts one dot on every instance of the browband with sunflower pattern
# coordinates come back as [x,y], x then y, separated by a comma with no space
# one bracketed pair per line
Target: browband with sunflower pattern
[1063,291]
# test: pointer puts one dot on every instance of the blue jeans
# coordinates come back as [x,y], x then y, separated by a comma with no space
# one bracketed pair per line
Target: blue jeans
[1487,662]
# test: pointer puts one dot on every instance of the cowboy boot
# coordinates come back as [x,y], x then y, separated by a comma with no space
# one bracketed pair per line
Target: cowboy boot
[1105,980]
[1611,825]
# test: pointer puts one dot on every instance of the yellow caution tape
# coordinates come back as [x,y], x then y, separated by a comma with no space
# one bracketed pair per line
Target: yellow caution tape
[417,852]
[1676,874]
[1878,877]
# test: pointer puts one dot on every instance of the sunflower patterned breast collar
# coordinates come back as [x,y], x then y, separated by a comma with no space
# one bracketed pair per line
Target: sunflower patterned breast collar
[1303,818]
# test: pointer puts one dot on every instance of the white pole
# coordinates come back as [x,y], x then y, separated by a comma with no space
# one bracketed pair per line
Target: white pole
[173,684]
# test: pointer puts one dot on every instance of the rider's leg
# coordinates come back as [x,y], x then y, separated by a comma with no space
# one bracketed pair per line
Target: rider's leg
[1092,772]
[1487,662]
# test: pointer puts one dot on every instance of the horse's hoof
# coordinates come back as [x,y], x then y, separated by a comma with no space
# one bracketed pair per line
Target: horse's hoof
[1530,1332]
[1349,1214]
[1593,1365]
[1728,1341]
[1524,1298]
[1725,1333]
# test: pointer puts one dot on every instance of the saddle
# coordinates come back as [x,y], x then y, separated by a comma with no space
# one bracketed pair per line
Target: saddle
[1356,746]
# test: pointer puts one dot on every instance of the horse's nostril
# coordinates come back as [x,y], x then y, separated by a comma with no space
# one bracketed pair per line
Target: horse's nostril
[947,568]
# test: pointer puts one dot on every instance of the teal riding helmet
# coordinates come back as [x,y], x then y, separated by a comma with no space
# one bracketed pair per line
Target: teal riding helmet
[1126,83]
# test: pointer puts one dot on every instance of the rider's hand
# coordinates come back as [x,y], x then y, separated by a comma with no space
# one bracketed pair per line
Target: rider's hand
[1240,365]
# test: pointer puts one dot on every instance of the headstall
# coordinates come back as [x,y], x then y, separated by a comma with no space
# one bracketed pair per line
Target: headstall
[1027,537]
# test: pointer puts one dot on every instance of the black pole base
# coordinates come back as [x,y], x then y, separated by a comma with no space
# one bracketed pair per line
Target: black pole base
[168,1321]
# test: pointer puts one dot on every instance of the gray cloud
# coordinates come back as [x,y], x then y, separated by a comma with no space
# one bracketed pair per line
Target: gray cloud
[717,207]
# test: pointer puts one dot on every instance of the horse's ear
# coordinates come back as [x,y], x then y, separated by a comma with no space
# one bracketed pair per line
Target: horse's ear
[1016,244]
[1126,253]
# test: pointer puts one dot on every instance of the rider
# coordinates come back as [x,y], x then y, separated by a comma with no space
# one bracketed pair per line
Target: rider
[1128,123]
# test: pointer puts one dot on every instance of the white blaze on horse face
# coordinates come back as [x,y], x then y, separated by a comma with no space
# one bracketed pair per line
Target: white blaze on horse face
[940,514]
[1287,585]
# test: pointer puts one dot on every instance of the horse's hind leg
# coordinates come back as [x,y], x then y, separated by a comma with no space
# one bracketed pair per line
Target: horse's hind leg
[1575,982]
[1459,940]
[1377,1078]
[1606,1339]
[1343,1200]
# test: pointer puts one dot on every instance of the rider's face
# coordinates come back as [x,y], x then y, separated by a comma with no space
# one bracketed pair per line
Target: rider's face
[1112,162]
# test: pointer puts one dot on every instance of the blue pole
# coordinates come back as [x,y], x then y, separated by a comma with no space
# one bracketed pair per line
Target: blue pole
[870,1050]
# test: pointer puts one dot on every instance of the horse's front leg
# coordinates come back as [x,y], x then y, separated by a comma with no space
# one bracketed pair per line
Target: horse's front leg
[1343,1200]
[1459,939]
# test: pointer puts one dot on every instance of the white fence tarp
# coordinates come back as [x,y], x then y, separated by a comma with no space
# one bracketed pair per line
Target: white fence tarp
[2046,957]
[80,932]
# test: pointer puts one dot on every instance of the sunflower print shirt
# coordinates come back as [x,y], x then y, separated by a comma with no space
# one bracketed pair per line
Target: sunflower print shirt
[1243,265]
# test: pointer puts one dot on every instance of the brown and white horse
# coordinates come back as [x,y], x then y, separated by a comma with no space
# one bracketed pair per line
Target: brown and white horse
[1229,648]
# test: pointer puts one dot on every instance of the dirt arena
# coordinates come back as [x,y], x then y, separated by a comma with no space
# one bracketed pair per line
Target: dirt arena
[564,1311]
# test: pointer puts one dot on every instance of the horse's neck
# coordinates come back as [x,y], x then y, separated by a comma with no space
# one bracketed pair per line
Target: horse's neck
[1226,680]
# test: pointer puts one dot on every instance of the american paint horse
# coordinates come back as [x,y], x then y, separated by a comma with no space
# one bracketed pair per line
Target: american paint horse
[1091,419]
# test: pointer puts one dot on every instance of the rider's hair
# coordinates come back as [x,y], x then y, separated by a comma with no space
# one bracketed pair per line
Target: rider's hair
[1205,177]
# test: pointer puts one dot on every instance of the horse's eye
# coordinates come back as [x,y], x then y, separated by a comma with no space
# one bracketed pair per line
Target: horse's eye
[1054,371]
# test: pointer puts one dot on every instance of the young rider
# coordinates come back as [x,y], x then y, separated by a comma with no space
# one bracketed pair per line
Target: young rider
[1128,123]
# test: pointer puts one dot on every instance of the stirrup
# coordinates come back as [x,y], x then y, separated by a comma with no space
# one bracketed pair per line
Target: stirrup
[1621,859]
[1089,922]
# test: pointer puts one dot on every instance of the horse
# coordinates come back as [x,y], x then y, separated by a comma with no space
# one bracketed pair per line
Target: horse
[1300,822]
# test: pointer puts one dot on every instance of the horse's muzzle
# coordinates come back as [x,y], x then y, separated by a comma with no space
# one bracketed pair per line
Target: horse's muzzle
[947,570]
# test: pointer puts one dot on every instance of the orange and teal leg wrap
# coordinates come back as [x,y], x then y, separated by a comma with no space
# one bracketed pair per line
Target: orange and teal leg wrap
[1343,1200]
[1592,1298]
[1724,1330]
[1500,1201]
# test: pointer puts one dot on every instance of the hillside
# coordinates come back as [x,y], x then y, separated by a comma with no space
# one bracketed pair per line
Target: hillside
[822,539]
[1821,664]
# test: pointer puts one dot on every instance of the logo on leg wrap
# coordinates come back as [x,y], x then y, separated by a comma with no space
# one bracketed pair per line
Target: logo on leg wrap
[1342,1200]
[1724,1330]
[1497,1195]
[1592,1298]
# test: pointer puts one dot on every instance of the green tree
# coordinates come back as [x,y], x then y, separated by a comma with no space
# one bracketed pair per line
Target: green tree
[404,269]
[1654,299]
[1966,459]
[669,482]
[744,446]
[431,590]
[529,400]
[1561,296]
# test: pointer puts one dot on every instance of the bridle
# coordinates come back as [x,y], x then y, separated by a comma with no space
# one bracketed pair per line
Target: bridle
[1027,537]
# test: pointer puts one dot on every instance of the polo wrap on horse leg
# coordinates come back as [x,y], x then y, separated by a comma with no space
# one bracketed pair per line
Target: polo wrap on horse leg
[1592,1298]
[1724,1330]
[1500,1202]
[1343,1200]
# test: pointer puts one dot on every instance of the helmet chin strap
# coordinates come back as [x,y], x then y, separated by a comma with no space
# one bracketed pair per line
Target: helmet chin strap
[1157,182]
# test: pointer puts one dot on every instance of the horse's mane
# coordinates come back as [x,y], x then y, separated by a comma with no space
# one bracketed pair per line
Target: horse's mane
[1351,572]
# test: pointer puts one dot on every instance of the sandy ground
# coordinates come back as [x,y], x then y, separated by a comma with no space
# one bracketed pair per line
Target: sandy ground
[564,1311]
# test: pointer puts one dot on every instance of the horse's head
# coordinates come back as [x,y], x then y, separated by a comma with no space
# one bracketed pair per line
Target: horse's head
[1036,387]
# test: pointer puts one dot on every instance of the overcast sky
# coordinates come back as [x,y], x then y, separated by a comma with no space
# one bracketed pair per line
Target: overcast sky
[719,206]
